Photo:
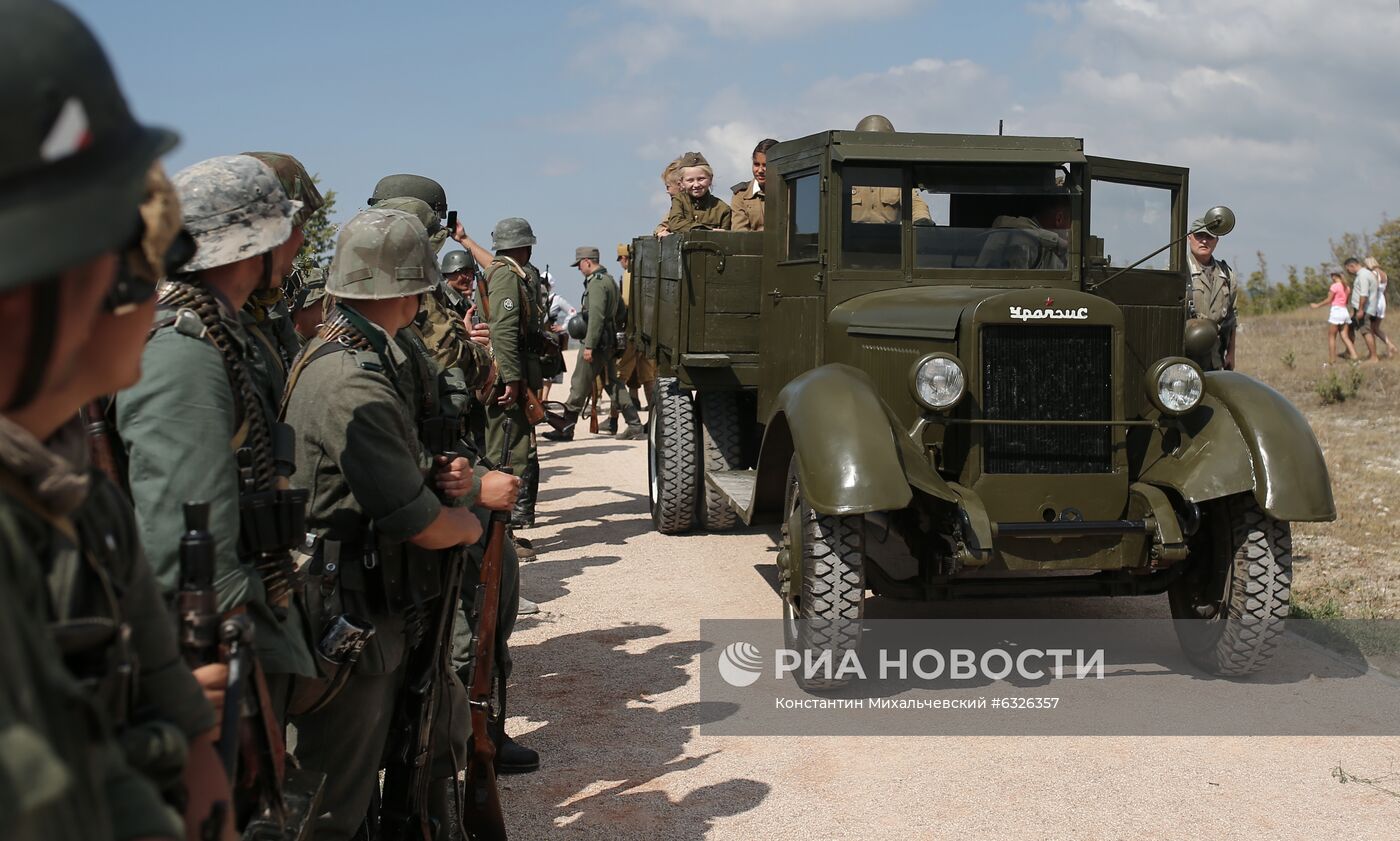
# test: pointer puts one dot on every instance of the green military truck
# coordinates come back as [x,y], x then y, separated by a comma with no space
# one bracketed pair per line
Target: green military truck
[944,369]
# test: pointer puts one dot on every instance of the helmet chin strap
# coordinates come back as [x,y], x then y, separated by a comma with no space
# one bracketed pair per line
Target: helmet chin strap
[42,336]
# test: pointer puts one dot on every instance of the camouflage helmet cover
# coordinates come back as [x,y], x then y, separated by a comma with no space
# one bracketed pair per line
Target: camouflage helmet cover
[71,149]
[296,183]
[234,208]
[382,253]
[512,232]
[458,261]
[313,289]
[414,186]
[875,122]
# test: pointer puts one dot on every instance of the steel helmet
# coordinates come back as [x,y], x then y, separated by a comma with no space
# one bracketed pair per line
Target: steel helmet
[234,208]
[875,122]
[295,181]
[382,253]
[458,261]
[71,154]
[577,326]
[512,232]
[414,186]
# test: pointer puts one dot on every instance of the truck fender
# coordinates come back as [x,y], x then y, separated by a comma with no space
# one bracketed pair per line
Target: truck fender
[1247,437]
[853,456]
[1290,474]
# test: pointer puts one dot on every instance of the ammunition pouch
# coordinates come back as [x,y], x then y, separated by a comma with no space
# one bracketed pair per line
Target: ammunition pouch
[271,524]
[551,356]
[441,434]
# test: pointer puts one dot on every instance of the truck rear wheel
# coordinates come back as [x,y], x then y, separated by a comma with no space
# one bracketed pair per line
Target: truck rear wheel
[822,610]
[1234,596]
[722,447]
[673,458]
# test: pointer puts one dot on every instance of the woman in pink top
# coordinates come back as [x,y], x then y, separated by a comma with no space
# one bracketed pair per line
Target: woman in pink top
[1338,317]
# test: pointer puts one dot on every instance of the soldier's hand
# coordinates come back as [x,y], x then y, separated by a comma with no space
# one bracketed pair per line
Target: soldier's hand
[460,234]
[587,355]
[454,478]
[213,679]
[499,490]
[509,395]
[479,333]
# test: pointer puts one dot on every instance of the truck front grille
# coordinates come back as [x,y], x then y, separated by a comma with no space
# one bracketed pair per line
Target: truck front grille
[1047,373]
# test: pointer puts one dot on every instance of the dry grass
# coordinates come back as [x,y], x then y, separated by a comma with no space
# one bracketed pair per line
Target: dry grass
[1349,568]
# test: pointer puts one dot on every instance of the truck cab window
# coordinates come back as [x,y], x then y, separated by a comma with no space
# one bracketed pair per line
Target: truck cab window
[804,214]
[992,217]
[872,235]
[1132,220]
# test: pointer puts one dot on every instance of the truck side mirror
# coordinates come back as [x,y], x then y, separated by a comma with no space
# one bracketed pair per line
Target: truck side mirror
[1218,221]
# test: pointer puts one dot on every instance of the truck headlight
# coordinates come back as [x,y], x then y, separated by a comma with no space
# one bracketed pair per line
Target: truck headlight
[1175,385]
[937,382]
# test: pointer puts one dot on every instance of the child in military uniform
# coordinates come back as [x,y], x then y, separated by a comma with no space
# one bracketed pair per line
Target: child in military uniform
[694,206]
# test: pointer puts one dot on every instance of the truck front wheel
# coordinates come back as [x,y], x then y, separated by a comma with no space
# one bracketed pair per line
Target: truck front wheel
[673,459]
[1231,602]
[823,609]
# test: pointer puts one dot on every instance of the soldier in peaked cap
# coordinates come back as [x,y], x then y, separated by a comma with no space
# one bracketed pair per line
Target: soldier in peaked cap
[381,509]
[596,356]
[71,149]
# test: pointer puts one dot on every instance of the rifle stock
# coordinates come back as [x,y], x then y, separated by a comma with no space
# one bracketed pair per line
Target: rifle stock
[593,411]
[99,436]
[484,818]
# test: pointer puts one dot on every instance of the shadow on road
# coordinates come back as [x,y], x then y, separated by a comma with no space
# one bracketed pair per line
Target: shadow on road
[605,741]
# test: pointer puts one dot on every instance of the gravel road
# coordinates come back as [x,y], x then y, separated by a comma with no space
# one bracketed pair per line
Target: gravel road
[606,687]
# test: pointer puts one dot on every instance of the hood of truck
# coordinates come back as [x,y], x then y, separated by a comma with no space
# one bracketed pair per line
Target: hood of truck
[934,312]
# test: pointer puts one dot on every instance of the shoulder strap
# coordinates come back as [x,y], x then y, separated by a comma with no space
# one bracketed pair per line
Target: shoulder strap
[301,364]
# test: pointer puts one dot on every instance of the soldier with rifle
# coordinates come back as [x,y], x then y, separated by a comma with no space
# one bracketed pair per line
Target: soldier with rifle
[382,539]
[596,355]
[96,707]
[228,449]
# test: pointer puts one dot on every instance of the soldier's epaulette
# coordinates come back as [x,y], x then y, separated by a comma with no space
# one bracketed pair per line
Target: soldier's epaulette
[741,187]
[365,364]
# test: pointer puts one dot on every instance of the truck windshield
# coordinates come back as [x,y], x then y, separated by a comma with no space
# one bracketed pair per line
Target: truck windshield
[964,216]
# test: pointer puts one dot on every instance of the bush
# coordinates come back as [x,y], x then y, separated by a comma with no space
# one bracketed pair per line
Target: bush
[1289,359]
[1334,389]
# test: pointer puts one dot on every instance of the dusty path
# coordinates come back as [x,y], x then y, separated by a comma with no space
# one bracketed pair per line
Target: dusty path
[606,688]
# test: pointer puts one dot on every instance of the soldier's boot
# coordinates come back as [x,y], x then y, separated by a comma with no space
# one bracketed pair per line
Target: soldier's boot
[444,809]
[511,756]
[565,433]
[609,426]
[635,429]
[522,516]
[524,549]
[527,608]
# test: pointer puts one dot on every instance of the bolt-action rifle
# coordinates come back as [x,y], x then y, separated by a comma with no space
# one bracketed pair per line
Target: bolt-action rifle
[250,739]
[404,812]
[482,806]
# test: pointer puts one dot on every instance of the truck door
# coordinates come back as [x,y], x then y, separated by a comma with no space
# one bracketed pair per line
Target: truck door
[791,309]
[1132,210]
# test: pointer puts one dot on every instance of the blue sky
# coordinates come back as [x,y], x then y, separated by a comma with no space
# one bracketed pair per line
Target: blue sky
[565,113]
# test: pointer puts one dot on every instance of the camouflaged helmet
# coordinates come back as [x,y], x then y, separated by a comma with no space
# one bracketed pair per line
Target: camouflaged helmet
[234,208]
[458,261]
[382,253]
[296,183]
[414,186]
[875,122]
[73,160]
[512,232]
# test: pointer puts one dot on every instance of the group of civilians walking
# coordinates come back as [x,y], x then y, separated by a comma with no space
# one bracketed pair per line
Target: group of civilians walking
[1358,309]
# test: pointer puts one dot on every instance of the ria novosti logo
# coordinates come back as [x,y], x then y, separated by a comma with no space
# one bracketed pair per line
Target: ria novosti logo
[740,664]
